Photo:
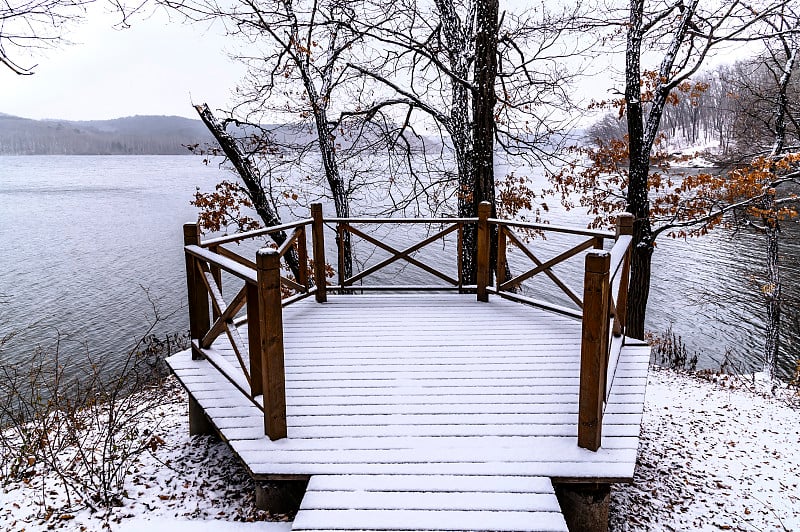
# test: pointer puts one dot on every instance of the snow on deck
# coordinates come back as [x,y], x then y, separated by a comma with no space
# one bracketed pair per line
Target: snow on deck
[392,387]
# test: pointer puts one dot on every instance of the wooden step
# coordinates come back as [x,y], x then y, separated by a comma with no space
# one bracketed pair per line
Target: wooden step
[429,502]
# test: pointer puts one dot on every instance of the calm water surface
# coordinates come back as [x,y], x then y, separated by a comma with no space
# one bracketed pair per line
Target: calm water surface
[86,236]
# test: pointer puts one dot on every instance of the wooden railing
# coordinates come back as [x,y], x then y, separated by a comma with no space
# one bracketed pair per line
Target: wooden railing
[260,360]
[605,296]
[447,226]
[265,290]
[506,288]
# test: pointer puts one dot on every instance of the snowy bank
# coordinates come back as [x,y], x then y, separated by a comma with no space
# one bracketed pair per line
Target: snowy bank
[714,456]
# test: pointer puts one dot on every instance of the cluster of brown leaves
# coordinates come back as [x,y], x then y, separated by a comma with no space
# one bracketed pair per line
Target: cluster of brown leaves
[515,195]
[223,209]
[650,84]
[288,291]
[601,186]
[759,181]
[681,204]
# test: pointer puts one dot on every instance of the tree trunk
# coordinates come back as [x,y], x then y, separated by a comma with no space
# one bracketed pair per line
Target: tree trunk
[459,127]
[639,169]
[782,103]
[772,228]
[325,138]
[252,180]
[773,294]
[341,200]
[483,122]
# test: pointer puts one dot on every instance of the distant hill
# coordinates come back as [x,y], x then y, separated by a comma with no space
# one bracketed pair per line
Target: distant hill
[135,135]
[139,135]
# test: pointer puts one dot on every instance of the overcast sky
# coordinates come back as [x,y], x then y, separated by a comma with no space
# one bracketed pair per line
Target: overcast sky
[157,67]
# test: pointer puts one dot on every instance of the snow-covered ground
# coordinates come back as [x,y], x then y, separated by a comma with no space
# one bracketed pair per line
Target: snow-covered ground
[714,456]
[720,455]
[693,156]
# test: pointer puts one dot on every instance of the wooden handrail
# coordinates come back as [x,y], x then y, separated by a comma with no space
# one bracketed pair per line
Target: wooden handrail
[603,326]
[618,253]
[399,220]
[237,237]
[603,304]
[553,228]
[224,263]
[225,252]
[624,241]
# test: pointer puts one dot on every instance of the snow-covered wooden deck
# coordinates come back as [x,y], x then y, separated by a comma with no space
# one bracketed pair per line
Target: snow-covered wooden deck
[430,411]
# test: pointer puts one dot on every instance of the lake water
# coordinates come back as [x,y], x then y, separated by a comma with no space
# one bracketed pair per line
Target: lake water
[85,236]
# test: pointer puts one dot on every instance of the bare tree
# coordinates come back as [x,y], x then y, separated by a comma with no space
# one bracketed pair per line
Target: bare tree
[484,79]
[28,26]
[687,33]
[766,212]
[296,59]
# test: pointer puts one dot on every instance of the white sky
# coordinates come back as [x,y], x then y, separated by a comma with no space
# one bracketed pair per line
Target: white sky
[156,67]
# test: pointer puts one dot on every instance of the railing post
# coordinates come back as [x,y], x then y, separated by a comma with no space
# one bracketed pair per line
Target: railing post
[594,349]
[254,315]
[501,257]
[318,245]
[302,257]
[340,229]
[216,273]
[199,322]
[484,242]
[624,227]
[624,224]
[460,259]
[271,335]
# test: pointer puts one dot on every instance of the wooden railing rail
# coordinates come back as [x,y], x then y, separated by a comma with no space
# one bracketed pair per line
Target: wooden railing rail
[603,325]
[506,287]
[594,233]
[238,237]
[404,221]
[259,357]
[346,225]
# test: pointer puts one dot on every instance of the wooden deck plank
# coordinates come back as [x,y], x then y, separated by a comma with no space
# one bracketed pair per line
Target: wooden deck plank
[602,472]
[249,430]
[432,483]
[423,500]
[428,520]
[429,502]
[349,420]
[434,442]
[454,366]
[453,455]
[451,408]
